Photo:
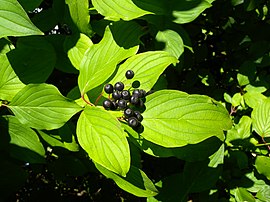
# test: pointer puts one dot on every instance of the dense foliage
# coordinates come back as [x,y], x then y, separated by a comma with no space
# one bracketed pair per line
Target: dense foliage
[135,100]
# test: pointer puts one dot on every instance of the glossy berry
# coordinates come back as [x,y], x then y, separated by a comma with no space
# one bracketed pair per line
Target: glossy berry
[119,86]
[138,115]
[137,93]
[129,74]
[108,88]
[125,95]
[128,112]
[116,95]
[133,122]
[122,104]
[114,105]
[134,100]
[107,104]
[142,92]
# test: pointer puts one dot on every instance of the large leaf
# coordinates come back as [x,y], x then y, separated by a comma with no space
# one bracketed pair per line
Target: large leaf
[14,21]
[147,67]
[33,59]
[241,194]
[100,61]
[25,144]
[30,5]
[174,118]
[261,118]
[101,136]
[136,182]
[42,106]
[116,10]
[80,15]
[262,165]
[10,84]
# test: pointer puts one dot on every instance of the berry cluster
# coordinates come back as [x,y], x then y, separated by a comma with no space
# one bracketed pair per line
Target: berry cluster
[131,102]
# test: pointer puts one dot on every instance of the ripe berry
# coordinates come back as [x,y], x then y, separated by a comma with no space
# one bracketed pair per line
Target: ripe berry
[143,92]
[119,86]
[133,122]
[116,95]
[128,112]
[122,104]
[108,88]
[137,93]
[129,74]
[114,105]
[138,115]
[125,95]
[107,104]
[134,99]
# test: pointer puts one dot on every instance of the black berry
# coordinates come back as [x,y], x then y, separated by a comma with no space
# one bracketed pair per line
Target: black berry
[138,115]
[119,86]
[137,93]
[143,92]
[107,104]
[122,104]
[134,99]
[128,112]
[129,74]
[125,95]
[116,95]
[133,122]
[108,88]
[114,105]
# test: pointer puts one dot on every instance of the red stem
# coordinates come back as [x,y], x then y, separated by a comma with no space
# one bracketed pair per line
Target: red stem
[87,102]
[98,98]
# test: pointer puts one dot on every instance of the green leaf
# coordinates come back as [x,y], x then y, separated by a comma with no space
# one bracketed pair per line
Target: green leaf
[174,118]
[173,42]
[77,51]
[253,99]
[116,10]
[101,136]
[14,21]
[241,194]
[10,84]
[237,99]
[80,15]
[147,67]
[33,59]
[30,5]
[262,164]
[261,118]
[136,182]
[25,144]
[41,106]
[100,60]
[264,193]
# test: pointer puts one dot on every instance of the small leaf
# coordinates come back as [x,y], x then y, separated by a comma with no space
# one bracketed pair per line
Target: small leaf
[77,51]
[262,164]
[116,10]
[237,99]
[25,144]
[80,15]
[173,42]
[136,182]
[261,118]
[101,136]
[264,193]
[241,194]
[10,84]
[14,20]
[41,106]
[100,61]
[174,118]
[147,67]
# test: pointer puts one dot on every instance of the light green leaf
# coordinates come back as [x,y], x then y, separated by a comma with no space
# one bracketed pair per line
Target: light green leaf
[174,118]
[25,144]
[101,136]
[262,164]
[242,195]
[121,9]
[136,182]
[254,99]
[41,106]
[264,193]
[33,59]
[14,21]
[76,53]
[100,61]
[237,99]
[80,15]
[261,118]
[250,88]
[10,84]
[147,67]
[173,42]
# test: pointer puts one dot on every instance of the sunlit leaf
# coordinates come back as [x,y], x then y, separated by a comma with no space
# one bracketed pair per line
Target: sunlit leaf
[241,194]
[262,165]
